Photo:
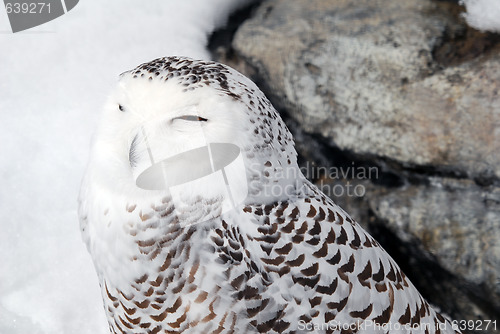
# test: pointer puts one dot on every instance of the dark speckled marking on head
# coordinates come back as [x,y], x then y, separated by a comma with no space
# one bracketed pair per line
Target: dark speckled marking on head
[190,74]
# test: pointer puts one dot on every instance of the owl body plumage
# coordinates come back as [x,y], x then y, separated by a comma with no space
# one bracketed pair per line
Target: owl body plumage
[287,261]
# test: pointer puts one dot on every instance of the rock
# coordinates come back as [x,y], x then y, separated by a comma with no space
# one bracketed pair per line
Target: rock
[454,220]
[404,86]
[364,75]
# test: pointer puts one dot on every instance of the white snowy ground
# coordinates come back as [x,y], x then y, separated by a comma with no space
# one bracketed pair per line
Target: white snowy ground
[53,80]
[483,14]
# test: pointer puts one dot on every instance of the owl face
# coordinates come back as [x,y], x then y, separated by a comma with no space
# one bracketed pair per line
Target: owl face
[175,120]
[156,139]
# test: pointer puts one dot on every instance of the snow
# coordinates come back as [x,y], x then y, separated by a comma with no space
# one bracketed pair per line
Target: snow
[483,14]
[53,80]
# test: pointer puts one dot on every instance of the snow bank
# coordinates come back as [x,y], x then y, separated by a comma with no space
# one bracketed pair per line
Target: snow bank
[53,80]
[483,14]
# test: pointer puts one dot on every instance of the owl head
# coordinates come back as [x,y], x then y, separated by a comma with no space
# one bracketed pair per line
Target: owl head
[193,129]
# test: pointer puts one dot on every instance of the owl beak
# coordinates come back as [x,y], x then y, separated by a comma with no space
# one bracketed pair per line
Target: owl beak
[132,153]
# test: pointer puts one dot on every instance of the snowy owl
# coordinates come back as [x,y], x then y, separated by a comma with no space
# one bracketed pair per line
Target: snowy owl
[199,220]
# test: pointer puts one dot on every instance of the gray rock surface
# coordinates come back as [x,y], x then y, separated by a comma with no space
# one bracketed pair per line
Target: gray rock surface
[363,75]
[403,85]
[456,221]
